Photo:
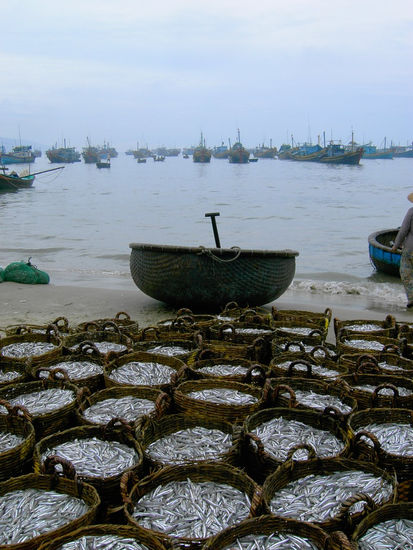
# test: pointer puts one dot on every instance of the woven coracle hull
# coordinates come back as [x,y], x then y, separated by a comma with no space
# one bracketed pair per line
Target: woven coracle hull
[210,278]
[381,256]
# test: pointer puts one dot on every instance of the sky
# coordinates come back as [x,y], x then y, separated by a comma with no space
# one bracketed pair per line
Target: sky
[158,73]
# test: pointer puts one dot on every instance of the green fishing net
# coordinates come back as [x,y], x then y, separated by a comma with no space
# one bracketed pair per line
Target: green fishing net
[25,272]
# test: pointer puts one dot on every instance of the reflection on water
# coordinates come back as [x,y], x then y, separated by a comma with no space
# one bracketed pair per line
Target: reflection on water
[77,224]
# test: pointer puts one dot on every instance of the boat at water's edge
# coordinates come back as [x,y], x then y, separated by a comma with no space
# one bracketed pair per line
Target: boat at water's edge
[208,278]
[12,183]
[381,255]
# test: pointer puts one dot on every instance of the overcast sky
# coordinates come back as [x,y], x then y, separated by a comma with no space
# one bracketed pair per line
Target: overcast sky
[158,73]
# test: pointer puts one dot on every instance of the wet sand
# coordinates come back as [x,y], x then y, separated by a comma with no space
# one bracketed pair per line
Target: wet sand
[41,304]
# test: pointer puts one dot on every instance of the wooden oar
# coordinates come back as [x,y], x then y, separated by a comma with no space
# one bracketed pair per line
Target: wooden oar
[43,171]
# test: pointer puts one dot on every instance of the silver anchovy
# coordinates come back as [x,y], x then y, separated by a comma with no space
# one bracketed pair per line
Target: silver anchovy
[224,396]
[9,441]
[129,407]
[277,541]
[394,438]
[394,534]
[43,401]
[76,370]
[20,350]
[142,373]
[103,542]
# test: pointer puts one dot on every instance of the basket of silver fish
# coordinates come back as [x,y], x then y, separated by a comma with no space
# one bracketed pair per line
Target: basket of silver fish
[388,526]
[50,404]
[304,393]
[321,318]
[182,439]
[315,333]
[217,399]
[241,333]
[185,505]
[179,328]
[17,440]
[35,509]
[274,436]
[270,533]
[131,403]
[12,373]
[380,390]
[405,335]
[61,323]
[326,492]
[99,454]
[237,369]
[368,343]
[109,339]
[367,326]
[31,347]
[305,367]
[259,351]
[142,369]
[104,537]
[303,345]
[232,312]
[382,363]
[121,319]
[385,437]
[182,349]
[82,367]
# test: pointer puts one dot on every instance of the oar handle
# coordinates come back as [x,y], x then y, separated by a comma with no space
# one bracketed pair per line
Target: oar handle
[212,215]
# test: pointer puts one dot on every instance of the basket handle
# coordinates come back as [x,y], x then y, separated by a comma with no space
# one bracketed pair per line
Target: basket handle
[300,362]
[88,347]
[253,438]
[392,387]
[306,446]
[371,437]
[163,404]
[344,511]
[50,463]
[127,481]
[335,413]
[300,346]
[226,326]
[149,330]
[111,326]
[23,329]
[317,349]
[368,366]
[122,316]
[259,378]
[117,423]
[16,410]
[392,348]
[274,394]
[366,357]
[61,323]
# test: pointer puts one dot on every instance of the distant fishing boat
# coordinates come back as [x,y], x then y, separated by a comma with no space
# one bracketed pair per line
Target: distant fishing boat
[265,152]
[63,154]
[337,154]
[403,152]
[201,153]
[237,153]
[370,151]
[21,154]
[220,152]
[107,151]
[103,164]
[307,152]
[91,155]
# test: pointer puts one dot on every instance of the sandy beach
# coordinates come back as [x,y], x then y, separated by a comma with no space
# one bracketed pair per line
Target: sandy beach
[41,304]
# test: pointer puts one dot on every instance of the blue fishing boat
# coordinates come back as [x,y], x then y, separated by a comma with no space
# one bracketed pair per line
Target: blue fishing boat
[371,152]
[381,255]
[20,154]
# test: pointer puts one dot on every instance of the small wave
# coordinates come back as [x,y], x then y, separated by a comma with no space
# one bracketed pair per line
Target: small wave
[34,250]
[124,257]
[390,293]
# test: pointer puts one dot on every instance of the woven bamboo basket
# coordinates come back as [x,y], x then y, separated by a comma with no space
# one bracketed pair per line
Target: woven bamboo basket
[366,446]
[107,334]
[390,364]
[318,317]
[162,402]
[298,329]
[396,511]
[376,398]
[85,352]
[49,422]
[202,472]
[232,312]
[161,345]
[367,327]
[154,430]
[61,323]
[281,392]
[217,411]
[12,373]
[260,463]
[51,338]
[249,372]
[366,343]
[346,518]
[270,525]
[305,345]
[141,357]
[405,336]
[106,486]
[122,531]
[305,367]
[122,320]
[258,351]
[68,485]
[241,333]
[14,461]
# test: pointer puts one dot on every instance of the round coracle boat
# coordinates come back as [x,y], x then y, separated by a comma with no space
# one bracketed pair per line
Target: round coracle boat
[381,255]
[208,278]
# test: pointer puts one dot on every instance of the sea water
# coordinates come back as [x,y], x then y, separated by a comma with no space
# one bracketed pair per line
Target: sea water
[77,223]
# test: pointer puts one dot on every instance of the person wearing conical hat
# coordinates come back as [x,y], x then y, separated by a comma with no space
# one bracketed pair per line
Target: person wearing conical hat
[404,239]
